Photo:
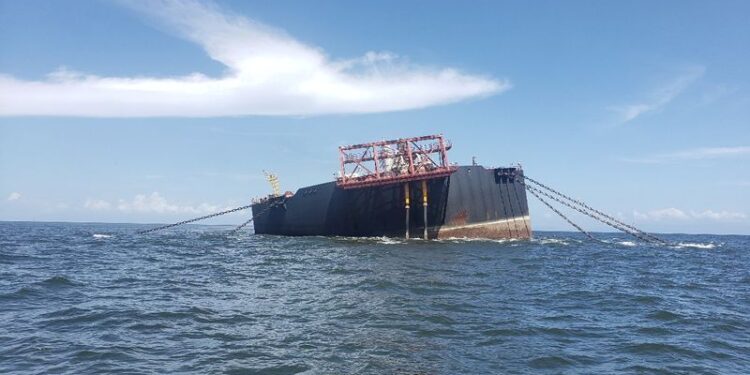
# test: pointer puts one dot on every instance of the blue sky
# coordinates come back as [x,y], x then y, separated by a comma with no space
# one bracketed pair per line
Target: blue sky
[149,111]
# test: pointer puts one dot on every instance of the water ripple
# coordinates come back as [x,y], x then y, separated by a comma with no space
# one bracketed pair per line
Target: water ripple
[85,298]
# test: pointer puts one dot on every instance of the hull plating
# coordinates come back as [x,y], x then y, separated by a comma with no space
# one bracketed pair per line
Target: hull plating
[473,202]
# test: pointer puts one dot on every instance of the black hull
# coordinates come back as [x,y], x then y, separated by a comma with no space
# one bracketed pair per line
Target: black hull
[473,202]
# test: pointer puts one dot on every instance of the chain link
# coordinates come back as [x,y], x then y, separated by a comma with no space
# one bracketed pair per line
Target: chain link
[270,206]
[590,214]
[561,214]
[194,220]
[594,216]
[651,238]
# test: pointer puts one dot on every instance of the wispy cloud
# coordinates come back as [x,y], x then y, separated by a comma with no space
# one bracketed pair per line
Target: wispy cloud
[659,97]
[96,204]
[672,214]
[268,73]
[702,153]
[717,92]
[14,196]
[153,203]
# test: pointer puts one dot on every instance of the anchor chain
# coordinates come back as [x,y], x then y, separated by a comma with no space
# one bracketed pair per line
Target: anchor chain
[194,220]
[593,216]
[590,214]
[651,237]
[275,204]
[239,227]
[561,215]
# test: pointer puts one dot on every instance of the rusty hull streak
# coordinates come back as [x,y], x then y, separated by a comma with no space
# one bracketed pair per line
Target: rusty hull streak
[491,230]
[459,219]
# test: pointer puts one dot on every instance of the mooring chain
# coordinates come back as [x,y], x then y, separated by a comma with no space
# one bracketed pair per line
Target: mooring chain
[586,206]
[590,214]
[270,206]
[648,235]
[561,214]
[651,237]
[193,220]
[593,216]
[235,230]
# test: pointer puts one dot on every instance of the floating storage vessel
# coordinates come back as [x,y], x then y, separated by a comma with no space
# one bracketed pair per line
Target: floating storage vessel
[402,188]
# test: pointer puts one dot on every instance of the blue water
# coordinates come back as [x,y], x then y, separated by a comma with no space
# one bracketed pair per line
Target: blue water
[85,298]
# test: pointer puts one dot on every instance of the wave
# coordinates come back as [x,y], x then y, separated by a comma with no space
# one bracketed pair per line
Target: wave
[696,245]
[98,235]
[383,240]
[57,281]
[388,241]
[620,242]
[459,240]
[550,362]
[553,241]
[34,290]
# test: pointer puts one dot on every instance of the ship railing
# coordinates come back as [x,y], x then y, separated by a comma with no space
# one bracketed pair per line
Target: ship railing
[387,154]
[393,178]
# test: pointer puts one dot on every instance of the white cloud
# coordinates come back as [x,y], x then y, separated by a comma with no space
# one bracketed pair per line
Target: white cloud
[660,97]
[675,214]
[720,215]
[710,153]
[268,73]
[96,204]
[660,214]
[702,153]
[151,203]
[14,196]
[155,203]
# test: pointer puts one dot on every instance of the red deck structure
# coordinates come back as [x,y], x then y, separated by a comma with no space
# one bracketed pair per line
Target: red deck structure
[394,161]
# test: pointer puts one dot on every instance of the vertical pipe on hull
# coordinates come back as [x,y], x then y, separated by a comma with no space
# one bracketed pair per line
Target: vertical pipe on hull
[424,206]
[406,201]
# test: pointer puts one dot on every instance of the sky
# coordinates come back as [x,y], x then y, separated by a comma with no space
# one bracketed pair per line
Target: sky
[158,111]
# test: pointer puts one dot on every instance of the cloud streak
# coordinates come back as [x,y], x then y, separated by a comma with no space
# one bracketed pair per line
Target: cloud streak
[660,97]
[268,73]
[703,153]
[153,203]
[97,204]
[675,214]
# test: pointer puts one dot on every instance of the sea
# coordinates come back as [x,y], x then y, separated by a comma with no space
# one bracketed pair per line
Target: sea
[98,298]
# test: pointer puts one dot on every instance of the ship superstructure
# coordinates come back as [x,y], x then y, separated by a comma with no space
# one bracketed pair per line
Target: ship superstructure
[402,188]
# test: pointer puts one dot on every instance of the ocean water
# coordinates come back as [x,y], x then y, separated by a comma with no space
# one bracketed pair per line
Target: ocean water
[89,298]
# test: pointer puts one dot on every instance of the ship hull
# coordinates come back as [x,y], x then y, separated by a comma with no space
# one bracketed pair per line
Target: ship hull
[473,202]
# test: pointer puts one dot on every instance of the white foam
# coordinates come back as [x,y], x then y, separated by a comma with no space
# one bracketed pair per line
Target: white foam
[695,245]
[97,235]
[476,239]
[626,243]
[381,240]
[553,241]
[388,241]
